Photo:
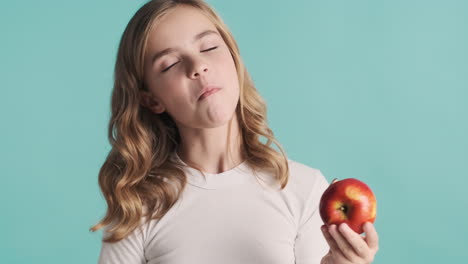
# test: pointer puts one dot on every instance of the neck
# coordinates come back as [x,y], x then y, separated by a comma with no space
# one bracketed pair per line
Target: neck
[208,148]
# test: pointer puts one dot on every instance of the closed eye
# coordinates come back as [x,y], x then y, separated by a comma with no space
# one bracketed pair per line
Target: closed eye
[210,49]
[166,69]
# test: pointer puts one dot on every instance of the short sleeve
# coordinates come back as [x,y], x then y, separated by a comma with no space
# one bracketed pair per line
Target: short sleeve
[129,250]
[310,244]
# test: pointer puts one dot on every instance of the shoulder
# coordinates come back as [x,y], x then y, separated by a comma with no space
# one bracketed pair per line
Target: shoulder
[305,185]
[302,193]
[305,177]
[302,179]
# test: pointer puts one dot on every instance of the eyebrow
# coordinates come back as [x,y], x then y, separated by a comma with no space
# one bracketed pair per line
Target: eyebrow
[169,50]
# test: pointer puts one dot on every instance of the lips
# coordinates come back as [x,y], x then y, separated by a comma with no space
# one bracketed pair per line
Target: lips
[208,90]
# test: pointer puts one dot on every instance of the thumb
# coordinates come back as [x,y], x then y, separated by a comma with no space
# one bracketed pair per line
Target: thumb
[326,258]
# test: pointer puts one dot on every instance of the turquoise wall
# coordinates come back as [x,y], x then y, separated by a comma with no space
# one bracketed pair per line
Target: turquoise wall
[375,90]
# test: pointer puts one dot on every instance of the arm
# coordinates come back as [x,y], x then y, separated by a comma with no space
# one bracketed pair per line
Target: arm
[129,250]
[310,245]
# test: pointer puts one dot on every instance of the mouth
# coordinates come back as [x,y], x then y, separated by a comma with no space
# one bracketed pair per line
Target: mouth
[207,92]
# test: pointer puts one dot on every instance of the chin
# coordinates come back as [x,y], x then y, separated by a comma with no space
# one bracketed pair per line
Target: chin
[221,120]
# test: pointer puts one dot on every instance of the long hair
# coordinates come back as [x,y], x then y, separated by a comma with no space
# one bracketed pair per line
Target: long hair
[139,179]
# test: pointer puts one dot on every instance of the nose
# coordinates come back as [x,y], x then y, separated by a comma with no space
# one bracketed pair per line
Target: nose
[199,67]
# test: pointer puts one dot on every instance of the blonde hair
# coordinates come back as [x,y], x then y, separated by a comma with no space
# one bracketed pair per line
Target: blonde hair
[138,178]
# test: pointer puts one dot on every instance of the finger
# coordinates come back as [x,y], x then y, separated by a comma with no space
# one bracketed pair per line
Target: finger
[334,250]
[372,238]
[330,240]
[355,240]
[343,244]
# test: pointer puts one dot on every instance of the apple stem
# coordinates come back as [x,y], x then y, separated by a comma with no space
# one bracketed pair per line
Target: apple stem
[334,180]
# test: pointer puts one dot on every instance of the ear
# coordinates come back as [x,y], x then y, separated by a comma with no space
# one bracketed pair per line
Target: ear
[148,101]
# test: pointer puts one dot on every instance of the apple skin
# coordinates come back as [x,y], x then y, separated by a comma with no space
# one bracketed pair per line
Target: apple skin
[348,201]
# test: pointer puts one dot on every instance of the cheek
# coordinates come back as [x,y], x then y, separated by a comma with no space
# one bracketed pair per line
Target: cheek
[170,86]
[229,67]
[171,92]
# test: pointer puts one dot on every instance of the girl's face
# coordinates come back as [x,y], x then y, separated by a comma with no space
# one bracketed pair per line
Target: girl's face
[197,58]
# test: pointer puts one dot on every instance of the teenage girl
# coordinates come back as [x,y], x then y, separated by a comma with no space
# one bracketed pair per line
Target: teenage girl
[189,178]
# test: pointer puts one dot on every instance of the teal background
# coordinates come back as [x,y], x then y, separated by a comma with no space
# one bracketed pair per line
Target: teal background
[376,90]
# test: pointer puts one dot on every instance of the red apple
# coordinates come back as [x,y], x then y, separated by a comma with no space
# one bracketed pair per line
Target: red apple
[348,201]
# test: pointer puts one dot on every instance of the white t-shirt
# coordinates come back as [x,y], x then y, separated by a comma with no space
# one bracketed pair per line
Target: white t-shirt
[233,218]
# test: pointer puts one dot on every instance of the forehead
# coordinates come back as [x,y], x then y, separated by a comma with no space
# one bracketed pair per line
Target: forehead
[177,26]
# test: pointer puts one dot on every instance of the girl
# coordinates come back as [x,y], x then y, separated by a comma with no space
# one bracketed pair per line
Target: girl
[188,179]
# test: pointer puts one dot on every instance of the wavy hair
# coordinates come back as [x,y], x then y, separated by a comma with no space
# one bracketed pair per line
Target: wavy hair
[139,179]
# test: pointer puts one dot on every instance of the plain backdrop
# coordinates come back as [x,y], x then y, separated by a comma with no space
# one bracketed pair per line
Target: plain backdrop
[375,90]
